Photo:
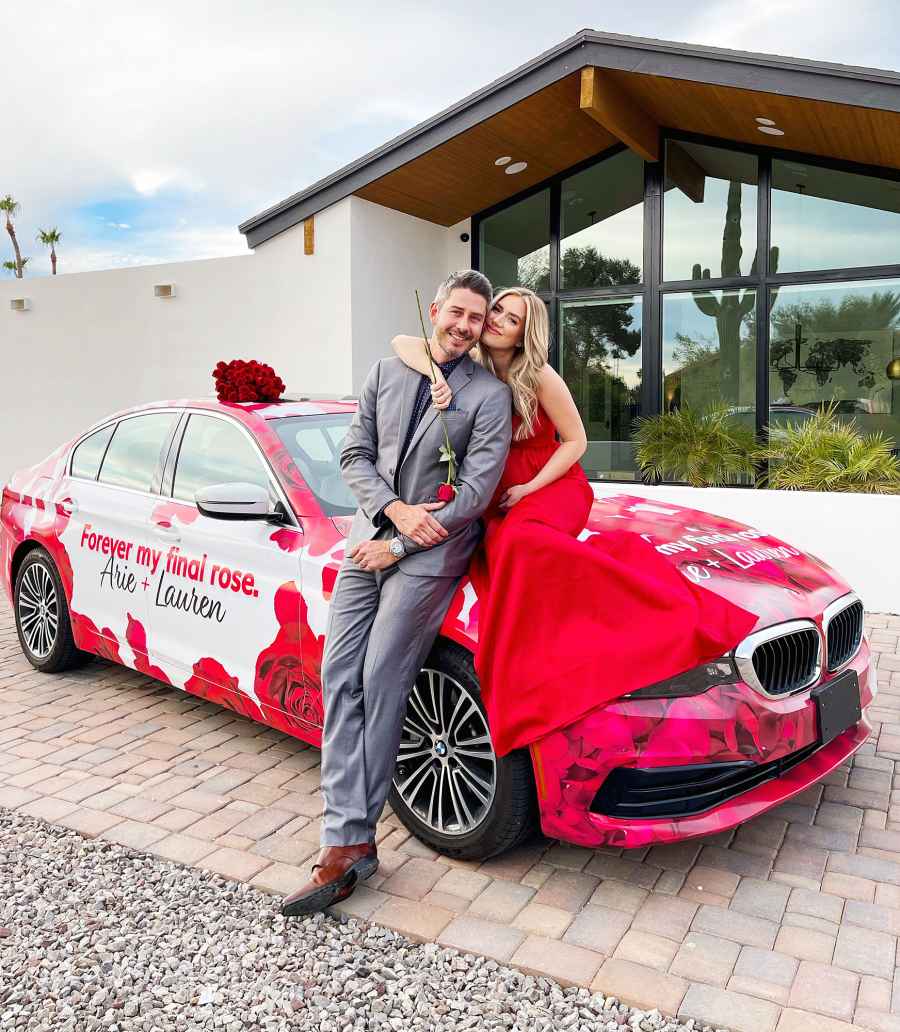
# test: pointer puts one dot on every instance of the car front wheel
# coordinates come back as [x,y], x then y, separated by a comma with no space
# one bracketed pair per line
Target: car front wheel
[449,788]
[42,616]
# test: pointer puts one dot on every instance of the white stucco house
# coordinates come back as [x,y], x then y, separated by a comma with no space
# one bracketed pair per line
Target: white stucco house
[702,223]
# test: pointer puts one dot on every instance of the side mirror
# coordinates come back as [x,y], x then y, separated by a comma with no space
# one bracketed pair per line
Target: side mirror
[237,501]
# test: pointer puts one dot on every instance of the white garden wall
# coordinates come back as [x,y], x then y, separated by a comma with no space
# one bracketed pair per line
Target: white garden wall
[97,341]
[856,534]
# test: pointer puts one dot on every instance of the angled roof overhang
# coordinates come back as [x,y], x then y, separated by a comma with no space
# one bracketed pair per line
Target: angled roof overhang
[595,90]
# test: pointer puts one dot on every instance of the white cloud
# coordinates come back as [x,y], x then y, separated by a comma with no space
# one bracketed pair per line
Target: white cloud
[234,110]
[148,182]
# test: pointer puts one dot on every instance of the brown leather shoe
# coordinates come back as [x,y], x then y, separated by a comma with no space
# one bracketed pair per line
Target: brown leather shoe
[334,876]
[368,865]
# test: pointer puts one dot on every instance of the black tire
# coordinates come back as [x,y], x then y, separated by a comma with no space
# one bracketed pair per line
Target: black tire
[38,573]
[511,816]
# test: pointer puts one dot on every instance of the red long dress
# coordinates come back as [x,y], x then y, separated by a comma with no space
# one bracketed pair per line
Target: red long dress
[567,624]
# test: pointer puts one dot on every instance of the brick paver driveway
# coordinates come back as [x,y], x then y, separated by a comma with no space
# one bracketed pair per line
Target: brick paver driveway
[789,922]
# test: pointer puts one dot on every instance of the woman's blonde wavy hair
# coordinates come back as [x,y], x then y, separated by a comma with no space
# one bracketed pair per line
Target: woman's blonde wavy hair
[530,357]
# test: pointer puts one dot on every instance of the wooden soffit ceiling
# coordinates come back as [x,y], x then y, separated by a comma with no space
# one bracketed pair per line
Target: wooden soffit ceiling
[592,109]
[449,183]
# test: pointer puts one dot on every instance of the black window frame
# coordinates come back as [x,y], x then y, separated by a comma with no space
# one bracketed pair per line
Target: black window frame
[654,288]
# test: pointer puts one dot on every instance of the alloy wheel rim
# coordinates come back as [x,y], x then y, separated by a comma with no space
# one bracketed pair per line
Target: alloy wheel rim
[38,609]
[446,769]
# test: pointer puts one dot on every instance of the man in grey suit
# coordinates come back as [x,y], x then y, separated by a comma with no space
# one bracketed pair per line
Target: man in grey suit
[405,555]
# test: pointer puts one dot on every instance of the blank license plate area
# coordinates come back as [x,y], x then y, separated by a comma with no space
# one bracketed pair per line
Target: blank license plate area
[838,705]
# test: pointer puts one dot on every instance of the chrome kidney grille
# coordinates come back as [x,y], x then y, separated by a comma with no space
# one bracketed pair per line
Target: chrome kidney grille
[843,630]
[788,663]
[780,660]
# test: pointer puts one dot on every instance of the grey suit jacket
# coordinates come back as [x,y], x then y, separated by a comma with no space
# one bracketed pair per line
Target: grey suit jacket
[479,424]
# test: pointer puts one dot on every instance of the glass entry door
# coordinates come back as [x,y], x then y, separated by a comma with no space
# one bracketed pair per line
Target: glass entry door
[600,360]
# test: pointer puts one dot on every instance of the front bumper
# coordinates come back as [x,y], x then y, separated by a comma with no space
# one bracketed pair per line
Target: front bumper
[768,750]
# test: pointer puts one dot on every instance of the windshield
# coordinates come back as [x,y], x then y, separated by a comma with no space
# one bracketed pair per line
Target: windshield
[315,446]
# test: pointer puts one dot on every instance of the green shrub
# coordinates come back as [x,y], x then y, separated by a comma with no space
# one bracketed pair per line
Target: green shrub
[827,454]
[706,449]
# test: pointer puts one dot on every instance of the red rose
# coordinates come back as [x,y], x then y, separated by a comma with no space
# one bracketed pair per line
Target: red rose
[446,493]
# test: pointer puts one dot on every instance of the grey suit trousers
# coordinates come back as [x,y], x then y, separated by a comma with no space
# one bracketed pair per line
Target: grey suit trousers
[381,627]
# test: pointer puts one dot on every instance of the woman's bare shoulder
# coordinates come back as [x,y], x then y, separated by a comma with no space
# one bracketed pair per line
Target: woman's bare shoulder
[548,380]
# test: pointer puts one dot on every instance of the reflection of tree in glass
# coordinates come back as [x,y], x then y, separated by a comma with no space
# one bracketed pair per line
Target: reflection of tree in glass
[695,361]
[534,271]
[587,267]
[876,311]
[595,338]
[733,308]
[689,351]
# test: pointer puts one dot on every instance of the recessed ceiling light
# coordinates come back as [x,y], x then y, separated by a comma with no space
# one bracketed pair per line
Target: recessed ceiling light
[505,160]
[771,130]
[765,121]
[516,167]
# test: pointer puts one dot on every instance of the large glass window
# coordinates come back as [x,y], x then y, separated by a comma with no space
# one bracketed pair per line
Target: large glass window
[89,454]
[807,344]
[602,224]
[709,351]
[215,451]
[823,218]
[709,212]
[135,450]
[515,244]
[314,443]
[835,342]
[600,360]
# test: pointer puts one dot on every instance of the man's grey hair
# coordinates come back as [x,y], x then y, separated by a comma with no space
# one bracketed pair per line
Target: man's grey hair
[468,279]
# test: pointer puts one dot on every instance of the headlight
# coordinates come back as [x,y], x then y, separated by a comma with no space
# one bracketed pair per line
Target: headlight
[692,682]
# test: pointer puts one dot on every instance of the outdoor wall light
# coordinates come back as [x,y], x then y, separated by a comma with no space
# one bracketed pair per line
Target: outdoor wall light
[516,167]
[164,290]
[505,160]
[20,304]
[893,369]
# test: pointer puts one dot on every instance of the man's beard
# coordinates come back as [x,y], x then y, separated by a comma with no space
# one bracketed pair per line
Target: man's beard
[452,347]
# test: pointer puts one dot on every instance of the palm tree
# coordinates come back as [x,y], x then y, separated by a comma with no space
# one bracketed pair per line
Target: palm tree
[12,207]
[50,238]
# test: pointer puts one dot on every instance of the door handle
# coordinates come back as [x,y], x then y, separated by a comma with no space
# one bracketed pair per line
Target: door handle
[166,531]
[67,506]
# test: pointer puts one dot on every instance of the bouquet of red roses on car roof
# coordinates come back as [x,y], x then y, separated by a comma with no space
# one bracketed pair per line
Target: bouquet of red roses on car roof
[238,380]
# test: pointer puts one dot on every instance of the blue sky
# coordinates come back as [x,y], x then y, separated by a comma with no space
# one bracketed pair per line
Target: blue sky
[146,133]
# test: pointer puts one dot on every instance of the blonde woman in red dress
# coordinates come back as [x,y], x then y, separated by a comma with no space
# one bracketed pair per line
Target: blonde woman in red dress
[564,624]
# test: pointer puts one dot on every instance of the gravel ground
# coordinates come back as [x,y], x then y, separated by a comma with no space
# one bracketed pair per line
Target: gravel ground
[96,936]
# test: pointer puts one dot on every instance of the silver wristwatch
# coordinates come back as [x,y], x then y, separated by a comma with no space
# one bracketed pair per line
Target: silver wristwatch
[398,549]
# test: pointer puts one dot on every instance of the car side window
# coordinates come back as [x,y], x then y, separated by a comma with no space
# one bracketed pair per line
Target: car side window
[88,455]
[134,451]
[215,451]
